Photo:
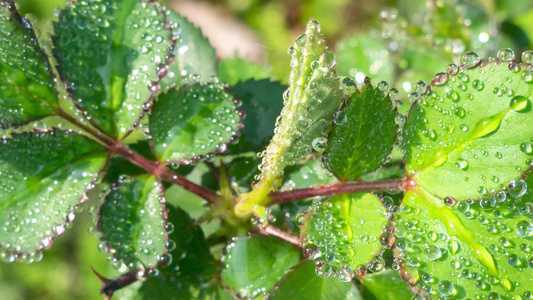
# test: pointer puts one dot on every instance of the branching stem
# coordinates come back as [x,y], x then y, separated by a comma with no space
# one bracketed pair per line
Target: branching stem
[337,188]
[273,231]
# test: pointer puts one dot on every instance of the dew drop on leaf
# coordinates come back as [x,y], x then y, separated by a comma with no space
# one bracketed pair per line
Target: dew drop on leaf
[469,59]
[505,54]
[519,103]
[527,56]
[517,188]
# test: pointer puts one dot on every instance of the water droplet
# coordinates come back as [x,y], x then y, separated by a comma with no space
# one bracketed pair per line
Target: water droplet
[383,86]
[478,85]
[393,93]
[432,252]
[526,147]
[519,103]
[340,118]
[323,270]
[505,54]
[462,164]
[446,288]
[524,229]
[421,87]
[319,144]
[469,59]
[517,188]
[452,69]
[527,56]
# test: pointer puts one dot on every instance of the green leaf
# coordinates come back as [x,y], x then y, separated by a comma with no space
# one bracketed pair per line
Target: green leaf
[313,96]
[235,70]
[473,132]
[262,102]
[132,222]
[193,55]
[44,176]
[192,122]
[27,88]
[110,55]
[362,136]
[362,55]
[384,286]
[254,264]
[358,219]
[189,265]
[465,249]
[302,283]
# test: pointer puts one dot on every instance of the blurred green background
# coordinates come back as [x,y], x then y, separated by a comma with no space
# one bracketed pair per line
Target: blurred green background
[399,41]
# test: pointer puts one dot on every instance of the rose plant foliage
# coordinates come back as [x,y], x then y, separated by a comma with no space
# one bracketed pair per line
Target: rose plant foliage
[349,198]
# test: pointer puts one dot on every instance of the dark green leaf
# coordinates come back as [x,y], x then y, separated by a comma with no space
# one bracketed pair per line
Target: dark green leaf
[27,88]
[302,283]
[132,222]
[193,54]
[360,219]
[189,266]
[110,54]
[44,176]
[466,249]
[262,102]
[193,121]
[235,70]
[384,286]
[473,132]
[254,264]
[362,136]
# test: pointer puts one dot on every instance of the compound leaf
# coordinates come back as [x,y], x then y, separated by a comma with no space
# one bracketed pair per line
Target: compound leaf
[27,88]
[302,283]
[110,54]
[132,222]
[465,249]
[44,176]
[362,136]
[193,121]
[262,102]
[193,54]
[358,219]
[254,264]
[472,132]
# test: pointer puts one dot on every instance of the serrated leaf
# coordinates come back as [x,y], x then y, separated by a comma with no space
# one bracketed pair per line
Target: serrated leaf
[262,102]
[193,54]
[27,88]
[44,176]
[235,70]
[384,286]
[189,266]
[110,54]
[302,283]
[465,249]
[132,222]
[344,233]
[254,264]
[362,136]
[313,96]
[193,121]
[472,133]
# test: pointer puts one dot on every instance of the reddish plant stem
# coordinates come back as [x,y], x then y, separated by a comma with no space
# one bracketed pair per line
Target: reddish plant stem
[337,188]
[159,170]
[273,231]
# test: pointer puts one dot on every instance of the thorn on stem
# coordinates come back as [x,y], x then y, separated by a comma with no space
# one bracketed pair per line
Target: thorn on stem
[109,286]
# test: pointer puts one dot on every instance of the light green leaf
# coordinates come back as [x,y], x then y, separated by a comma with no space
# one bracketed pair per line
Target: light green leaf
[235,70]
[262,102]
[192,122]
[44,176]
[110,54]
[384,286]
[473,132]
[254,264]
[313,96]
[362,136]
[27,88]
[345,233]
[132,222]
[193,54]
[466,249]
[302,283]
